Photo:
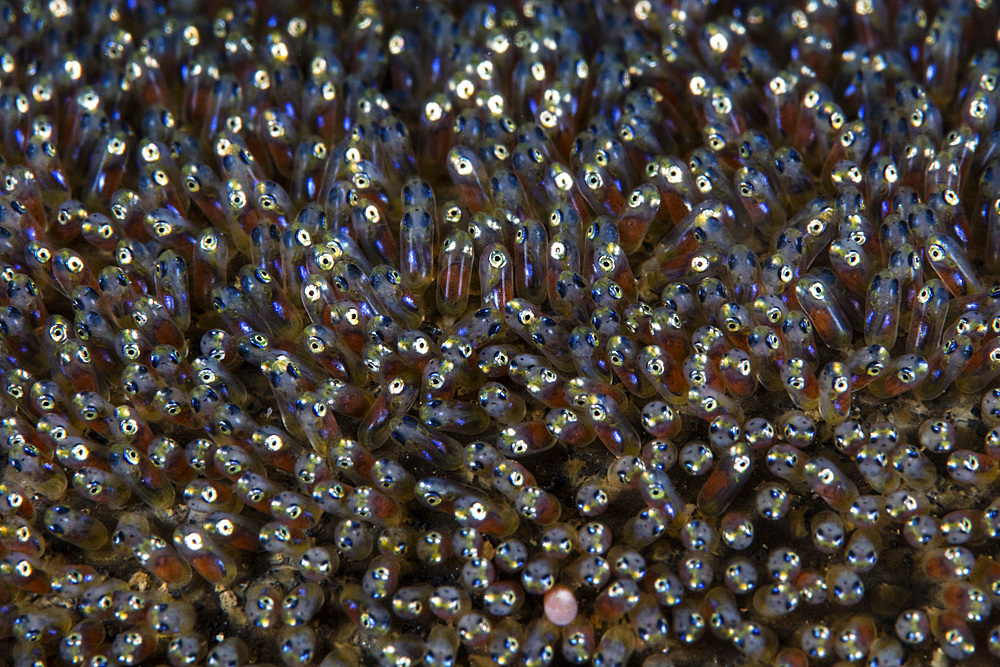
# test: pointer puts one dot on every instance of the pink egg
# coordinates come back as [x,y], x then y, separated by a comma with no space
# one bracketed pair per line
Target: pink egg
[560,605]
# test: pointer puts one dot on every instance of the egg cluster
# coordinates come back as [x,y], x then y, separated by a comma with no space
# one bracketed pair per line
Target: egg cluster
[536,333]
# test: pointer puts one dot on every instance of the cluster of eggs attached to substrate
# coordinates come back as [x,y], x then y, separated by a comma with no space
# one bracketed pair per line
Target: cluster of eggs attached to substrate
[542,333]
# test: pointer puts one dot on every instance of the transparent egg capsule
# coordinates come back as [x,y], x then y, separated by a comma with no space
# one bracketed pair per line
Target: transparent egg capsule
[593,496]
[43,626]
[989,407]
[816,640]
[688,622]
[812,587]
[759,432]
[617,599]
[913,626]
[81,641]
[442,646]
[784,564]
[737,530]
[773,501]
[697,535]
[954,635]
[559,540]
[474,629]
[696,571]
[539,575]
[594,538]
[862,551]
[785,461]
[503,598]
[968,467]
[776,600]
[915,468]
[845,585]
[301,604]
[659,454]
[467,543]
[828,532]
[696,458]
[229,652]
[411,602]
[754,640]
[830,483]
[660,420]
[381,577]
[262,605]
[797,428]
[971,603]
[510,556]
[354,539]
[937,435]
[171,618]
[75,527]
[590,570]
[449,603]
[578,642]
[902,504]
[723,432]
[791,657]
[477,574]
[993,641]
